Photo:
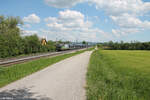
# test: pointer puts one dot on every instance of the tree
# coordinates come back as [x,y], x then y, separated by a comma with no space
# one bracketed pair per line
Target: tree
[134,45]
[10,40]
[13,44]
[83,42]
[32,44]
[51,46]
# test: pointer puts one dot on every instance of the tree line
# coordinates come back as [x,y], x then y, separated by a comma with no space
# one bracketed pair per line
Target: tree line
[12,43]
[135,45]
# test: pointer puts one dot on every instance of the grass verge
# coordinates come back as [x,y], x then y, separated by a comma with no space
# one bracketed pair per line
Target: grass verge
[18,71]
[119,75]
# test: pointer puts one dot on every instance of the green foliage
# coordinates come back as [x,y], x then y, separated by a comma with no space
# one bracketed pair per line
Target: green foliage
[99,45]
[118,75]
[84,42]
[51,46]
[32,44]
[9,24]
[127,46]
[15,72]
[11,42]
[10,37]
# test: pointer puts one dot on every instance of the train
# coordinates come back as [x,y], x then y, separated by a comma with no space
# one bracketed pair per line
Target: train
[70,46]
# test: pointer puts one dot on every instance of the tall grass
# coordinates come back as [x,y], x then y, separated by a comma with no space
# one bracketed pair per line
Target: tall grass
[119,75]
[15,72]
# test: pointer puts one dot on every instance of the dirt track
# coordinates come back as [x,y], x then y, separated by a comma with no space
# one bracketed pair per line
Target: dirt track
[64,80]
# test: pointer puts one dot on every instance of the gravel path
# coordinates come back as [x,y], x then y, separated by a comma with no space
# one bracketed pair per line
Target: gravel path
[64,80]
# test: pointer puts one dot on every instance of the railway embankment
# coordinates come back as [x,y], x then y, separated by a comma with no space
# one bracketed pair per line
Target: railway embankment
[17,71]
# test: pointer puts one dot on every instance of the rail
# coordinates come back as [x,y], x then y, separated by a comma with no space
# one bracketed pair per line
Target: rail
[25,59]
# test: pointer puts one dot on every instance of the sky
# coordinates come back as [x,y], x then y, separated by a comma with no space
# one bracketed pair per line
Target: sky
[78,20]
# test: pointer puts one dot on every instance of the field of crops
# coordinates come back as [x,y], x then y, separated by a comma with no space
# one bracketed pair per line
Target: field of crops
[119,75]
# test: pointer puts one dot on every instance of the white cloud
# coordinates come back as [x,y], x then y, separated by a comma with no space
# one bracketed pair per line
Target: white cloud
[127,21]
[117,7]
[124,13]
[68,19]
[110,6]
[116,32]
[71,15]
[129,24]
[29,32]
[33,18]
[124,31]
[50,19]
[26,25]
[62,3]
[72,25]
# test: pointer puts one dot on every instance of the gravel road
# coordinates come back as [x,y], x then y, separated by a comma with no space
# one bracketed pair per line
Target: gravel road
[64,80]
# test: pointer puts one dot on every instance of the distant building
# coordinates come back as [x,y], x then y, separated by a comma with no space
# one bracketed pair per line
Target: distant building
[43,41]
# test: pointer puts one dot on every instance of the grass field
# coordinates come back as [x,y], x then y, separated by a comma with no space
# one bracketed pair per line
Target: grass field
[119,75]
[15,72]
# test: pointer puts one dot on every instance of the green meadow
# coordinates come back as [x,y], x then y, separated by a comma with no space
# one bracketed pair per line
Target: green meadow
[119,75]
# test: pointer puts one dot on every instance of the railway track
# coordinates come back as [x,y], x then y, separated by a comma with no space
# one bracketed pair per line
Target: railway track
[25,59]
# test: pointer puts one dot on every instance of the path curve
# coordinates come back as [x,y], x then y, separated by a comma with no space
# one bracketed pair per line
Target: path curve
[64,80]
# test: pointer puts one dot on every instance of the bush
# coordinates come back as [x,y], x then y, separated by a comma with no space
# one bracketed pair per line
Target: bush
[13,44]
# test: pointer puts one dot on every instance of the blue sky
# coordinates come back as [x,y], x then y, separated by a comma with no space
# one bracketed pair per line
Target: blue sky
[78,20]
